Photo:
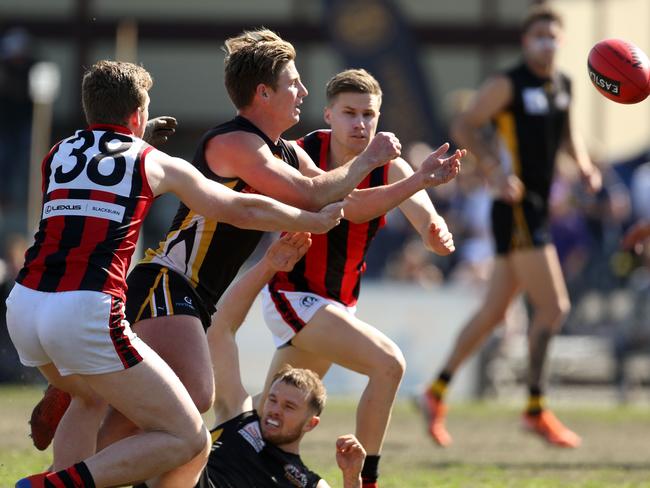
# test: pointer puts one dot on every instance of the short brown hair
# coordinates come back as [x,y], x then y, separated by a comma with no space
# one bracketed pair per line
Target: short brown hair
[254,57]
[306,381]
[112,90]
[540,12]
[352,80]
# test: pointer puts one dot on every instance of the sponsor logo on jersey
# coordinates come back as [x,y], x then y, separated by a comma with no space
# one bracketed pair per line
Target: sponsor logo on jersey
[253,435]
[535,101]
[69,207]
[295,476]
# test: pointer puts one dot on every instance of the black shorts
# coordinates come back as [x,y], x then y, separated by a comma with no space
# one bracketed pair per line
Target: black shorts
[157,291]
[521,226]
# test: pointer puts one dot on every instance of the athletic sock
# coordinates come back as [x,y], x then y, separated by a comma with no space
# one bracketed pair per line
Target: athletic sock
[76,476]
[439,387]
[535,401]
[370,471]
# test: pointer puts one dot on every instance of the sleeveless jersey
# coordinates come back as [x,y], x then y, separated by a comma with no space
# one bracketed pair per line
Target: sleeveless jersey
[209,253]
[333,266]
[532,126]
[241,458]
[95,197]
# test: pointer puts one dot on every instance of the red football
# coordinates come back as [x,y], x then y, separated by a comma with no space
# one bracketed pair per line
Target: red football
[619,70]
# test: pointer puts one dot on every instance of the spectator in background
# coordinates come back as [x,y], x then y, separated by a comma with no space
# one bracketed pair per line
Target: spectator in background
[16,59]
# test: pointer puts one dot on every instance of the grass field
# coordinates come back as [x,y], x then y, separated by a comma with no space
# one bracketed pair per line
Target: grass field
[490,450]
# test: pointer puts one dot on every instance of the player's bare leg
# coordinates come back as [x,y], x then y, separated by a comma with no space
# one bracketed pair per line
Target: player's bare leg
[180,341]
[339,337]
[501,290]
[550,300]
[151,396]
[84,414]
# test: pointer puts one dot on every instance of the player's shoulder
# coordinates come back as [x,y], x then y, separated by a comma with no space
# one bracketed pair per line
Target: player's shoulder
[238,146]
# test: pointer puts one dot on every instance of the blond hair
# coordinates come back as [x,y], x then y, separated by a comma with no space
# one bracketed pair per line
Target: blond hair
[254,57]
[306,381]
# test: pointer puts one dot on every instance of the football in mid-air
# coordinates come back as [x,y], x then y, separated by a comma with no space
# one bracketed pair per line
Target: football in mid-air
[619,70]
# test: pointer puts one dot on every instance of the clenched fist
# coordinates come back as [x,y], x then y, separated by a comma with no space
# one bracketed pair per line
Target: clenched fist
[384,147]
[159,129]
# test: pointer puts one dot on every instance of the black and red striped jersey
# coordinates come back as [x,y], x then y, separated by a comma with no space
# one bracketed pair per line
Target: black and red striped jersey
[207,252]
[95,197]
[333,266]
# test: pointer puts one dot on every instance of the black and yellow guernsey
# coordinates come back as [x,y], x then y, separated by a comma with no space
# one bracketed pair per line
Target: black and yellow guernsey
[530,129]
[207,252]
[241,458]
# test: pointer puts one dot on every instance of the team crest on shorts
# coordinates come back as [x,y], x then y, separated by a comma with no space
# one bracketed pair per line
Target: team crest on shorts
[308,301]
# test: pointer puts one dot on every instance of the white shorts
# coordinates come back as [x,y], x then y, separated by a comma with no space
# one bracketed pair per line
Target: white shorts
[81,332]
[287,312]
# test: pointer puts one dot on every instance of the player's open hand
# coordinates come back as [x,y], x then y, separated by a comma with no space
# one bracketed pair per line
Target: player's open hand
[384,147]
[437,170]
[350,455]
[160,129]
[438,238]
[284,253]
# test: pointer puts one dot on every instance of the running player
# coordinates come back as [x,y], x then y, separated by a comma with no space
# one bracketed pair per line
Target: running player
[310,310]
[254,450]
[529,106]
[65,314]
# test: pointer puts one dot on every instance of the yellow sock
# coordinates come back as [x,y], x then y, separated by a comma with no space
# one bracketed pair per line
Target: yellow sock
[439,388]
[535,404]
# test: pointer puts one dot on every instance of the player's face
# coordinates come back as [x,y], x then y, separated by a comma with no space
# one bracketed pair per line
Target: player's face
[286,98]
[353,118]
[541,41]
[286,415]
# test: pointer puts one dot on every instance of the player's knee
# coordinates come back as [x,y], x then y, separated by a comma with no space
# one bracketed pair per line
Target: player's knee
[393,363]
[193,444]
[202,395]
[554,315]
[90,400]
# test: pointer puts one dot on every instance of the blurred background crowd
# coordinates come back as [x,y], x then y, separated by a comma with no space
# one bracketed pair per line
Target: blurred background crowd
[428,56]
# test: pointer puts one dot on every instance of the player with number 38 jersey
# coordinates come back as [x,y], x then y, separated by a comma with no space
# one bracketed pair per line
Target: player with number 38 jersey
[95,198]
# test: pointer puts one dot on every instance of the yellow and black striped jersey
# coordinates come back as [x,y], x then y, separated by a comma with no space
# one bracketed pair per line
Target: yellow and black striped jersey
[207,252]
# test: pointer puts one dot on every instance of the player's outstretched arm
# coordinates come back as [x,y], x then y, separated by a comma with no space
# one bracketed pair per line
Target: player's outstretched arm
[231,397]
[422,215]
[246,211]
[364,205]
[248,157]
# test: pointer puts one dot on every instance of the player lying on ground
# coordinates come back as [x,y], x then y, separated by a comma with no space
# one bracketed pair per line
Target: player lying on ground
[255,448]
